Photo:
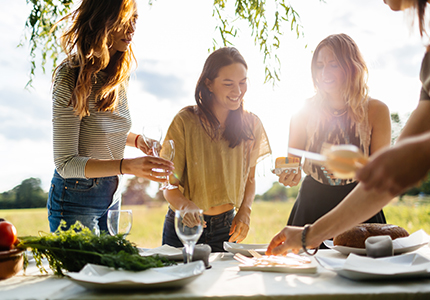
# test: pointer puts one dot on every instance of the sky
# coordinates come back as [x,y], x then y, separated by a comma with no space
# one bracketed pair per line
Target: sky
[171,45]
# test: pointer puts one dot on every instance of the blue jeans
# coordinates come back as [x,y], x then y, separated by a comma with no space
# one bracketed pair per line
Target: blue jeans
[84,200]
[215,234]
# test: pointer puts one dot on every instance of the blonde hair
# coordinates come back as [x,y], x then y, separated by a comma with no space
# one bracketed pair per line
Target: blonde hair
[347,54]
[86,43]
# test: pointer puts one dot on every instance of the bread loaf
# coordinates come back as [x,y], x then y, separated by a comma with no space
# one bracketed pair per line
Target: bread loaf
[355,237]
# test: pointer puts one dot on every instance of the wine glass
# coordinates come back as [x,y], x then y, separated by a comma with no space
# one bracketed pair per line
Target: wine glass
[189,227]
[168,152]
[119,222]
[152,135]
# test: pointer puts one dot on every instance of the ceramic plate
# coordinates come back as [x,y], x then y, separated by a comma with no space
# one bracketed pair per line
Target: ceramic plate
[406,266]
[243,248]
[167,251]
[411,243]
[104,278]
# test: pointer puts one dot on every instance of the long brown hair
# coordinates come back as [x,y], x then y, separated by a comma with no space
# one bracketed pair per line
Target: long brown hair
[351,61]
[86,43]
[237,125]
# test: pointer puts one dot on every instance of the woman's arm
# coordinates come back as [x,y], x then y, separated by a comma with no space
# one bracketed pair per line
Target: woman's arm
[357,207]
[380,124]
[240,225]
[297,139]
[402,166]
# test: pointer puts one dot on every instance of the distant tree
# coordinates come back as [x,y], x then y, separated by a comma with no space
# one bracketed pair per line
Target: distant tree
[28,194]
[268,21]
[135,192]
[276,193]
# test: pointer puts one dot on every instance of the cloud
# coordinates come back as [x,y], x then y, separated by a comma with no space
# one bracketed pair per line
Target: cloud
[406,59]
[162,86]
[24,115]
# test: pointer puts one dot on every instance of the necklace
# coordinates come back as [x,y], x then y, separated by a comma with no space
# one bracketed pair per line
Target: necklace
[338,113]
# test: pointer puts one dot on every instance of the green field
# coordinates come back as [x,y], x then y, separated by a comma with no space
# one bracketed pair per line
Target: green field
[266,220]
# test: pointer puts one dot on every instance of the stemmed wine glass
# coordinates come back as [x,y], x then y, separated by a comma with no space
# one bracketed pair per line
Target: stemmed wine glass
[189,228]
[119,222]
[152,135]
[168,152]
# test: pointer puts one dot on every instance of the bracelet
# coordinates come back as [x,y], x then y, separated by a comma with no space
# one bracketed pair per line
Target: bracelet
[305,230]
[120,166]
[135,140]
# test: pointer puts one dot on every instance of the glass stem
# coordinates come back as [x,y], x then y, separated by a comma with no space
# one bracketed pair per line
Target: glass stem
[189,249]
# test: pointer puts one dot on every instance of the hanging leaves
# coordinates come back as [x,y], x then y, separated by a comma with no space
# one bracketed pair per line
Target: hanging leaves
[266,28]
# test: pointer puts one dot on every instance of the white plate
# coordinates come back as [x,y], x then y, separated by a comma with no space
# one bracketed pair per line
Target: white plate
[401,245]
[243,248]
[166,251]
[410,265]
[101,277]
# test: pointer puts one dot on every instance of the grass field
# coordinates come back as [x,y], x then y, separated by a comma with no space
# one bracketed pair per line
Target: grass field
[266,220]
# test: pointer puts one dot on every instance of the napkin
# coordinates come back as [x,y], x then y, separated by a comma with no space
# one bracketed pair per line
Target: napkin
[164,250]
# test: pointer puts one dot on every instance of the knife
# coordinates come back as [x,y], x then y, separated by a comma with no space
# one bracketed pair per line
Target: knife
[316,157]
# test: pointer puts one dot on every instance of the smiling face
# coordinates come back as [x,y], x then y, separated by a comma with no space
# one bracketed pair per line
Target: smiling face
[330,76]
[123,35]
[228,89]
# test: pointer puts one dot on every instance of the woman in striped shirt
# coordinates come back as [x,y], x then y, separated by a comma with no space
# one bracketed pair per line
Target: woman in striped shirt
[91,119]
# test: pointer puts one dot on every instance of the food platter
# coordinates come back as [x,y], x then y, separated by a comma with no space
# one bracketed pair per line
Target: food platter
[411,243]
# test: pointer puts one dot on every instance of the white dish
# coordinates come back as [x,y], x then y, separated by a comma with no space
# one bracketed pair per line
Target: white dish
[356,267]
[243,248]
[413,242]
[166,251]
[101,277]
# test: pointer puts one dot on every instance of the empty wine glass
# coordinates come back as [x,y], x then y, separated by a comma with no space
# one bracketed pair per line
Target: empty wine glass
[189,228]
[168,152]
[119,222]
[152,135]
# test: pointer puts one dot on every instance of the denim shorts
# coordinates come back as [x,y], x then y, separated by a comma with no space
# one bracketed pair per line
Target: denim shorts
[86,200]
[215,234]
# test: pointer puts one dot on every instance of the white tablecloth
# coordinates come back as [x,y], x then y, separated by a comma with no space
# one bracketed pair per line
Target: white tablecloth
[224,280]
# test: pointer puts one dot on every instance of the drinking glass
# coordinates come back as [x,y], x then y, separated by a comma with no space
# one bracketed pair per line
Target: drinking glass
[168,152]
[189,228]
[119,221]
[152,135]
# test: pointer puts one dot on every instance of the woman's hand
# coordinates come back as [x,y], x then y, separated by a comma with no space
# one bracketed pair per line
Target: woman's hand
[240,225]
[289,238]
[144,167]
[399,168]
[191,214]
[290,177]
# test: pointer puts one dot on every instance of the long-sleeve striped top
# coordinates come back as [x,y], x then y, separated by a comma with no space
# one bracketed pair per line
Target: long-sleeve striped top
[101,135]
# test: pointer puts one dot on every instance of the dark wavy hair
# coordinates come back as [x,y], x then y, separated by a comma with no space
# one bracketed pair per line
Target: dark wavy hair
[87,41]
[238,127]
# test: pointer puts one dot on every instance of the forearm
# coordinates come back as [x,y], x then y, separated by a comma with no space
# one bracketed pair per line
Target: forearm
[177,200]
[131,139]
[96,168]
[418,122]
[249,196]
[358,206]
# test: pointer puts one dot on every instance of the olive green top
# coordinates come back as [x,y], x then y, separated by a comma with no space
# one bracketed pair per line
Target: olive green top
[209,171]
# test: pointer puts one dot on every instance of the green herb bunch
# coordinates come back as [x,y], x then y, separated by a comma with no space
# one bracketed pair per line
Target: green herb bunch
[73,248]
